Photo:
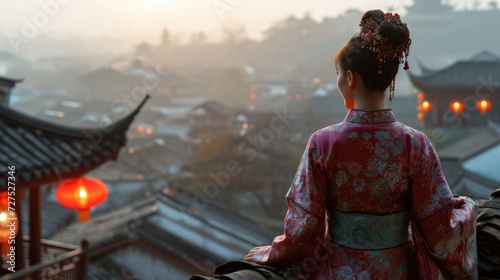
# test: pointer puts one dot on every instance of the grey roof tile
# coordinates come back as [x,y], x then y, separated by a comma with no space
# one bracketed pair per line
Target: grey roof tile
[42,152]
[464,73]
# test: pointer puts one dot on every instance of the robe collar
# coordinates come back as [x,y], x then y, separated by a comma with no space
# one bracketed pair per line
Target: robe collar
[370,117]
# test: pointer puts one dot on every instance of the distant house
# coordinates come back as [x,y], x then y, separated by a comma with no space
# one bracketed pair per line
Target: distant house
[428,7]
[465,94]
[175,85]
[208,118]
[471,165]
[144,50]
[186,125]
[153,157]
[166,113]
[80,113]
[290,88]
[162,84]
[270,88]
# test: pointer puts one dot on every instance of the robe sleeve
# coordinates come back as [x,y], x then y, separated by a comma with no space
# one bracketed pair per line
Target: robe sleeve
[447,223]
[304,226]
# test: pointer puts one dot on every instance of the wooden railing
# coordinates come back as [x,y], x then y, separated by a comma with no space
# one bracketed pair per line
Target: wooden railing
[71,265]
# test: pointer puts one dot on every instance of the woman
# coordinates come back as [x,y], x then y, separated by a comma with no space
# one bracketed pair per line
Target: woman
[361,181]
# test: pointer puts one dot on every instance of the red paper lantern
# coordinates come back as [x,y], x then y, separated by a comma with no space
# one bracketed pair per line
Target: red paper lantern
[421,96]
[483,106]
[6,218]
[4,199]
[81,194]
[426,106]
[456,107]
[7,231]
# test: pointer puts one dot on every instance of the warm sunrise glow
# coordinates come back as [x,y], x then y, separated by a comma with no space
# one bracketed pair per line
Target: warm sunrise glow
[156,4]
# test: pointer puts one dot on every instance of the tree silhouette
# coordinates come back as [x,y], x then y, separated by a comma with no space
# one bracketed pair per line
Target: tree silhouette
[165,38]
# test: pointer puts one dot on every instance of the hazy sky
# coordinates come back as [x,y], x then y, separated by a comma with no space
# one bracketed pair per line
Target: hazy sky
[143,19]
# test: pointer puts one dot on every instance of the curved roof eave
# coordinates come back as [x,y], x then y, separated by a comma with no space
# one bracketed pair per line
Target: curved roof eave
[41,127]
[425,70]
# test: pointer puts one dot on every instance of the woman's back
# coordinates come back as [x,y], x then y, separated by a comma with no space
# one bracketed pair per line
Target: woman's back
[360,182]
[369,164]
[366,164]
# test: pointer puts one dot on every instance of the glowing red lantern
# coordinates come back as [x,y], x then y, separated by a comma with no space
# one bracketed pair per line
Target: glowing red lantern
[6,217]
[456,107]
[4,199]
[7,230]
[421,96]
[426,106]
[4,231]
[483,106]
[81,194]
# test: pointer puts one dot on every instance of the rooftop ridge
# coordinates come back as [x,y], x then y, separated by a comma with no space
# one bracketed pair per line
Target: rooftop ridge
[483,56]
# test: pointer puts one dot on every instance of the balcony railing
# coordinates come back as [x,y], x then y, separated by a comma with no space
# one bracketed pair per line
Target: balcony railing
[61,262]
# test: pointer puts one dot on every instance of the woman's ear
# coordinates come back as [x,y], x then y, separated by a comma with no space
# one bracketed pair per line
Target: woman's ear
[350,78]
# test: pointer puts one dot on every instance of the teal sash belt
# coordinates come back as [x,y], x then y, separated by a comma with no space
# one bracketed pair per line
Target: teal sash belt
[369,232]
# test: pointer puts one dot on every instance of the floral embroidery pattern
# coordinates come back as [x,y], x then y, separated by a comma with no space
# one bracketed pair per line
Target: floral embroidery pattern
[371,164]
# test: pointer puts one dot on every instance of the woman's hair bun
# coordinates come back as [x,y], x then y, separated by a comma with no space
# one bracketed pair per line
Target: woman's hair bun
[394,30]
[376,52]
[376,15]
[386,35]
[389,26]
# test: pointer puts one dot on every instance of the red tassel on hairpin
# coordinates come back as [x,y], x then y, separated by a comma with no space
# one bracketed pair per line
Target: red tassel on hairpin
[406,67]
[392,88]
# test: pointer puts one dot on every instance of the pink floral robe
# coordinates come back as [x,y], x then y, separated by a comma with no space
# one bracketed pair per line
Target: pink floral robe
[371,164]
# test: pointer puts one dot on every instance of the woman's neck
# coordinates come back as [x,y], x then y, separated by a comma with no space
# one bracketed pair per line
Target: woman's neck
[369,101]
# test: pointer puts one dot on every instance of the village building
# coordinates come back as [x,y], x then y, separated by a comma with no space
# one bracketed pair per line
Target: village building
[36,153]
[471,164]
[462,95]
